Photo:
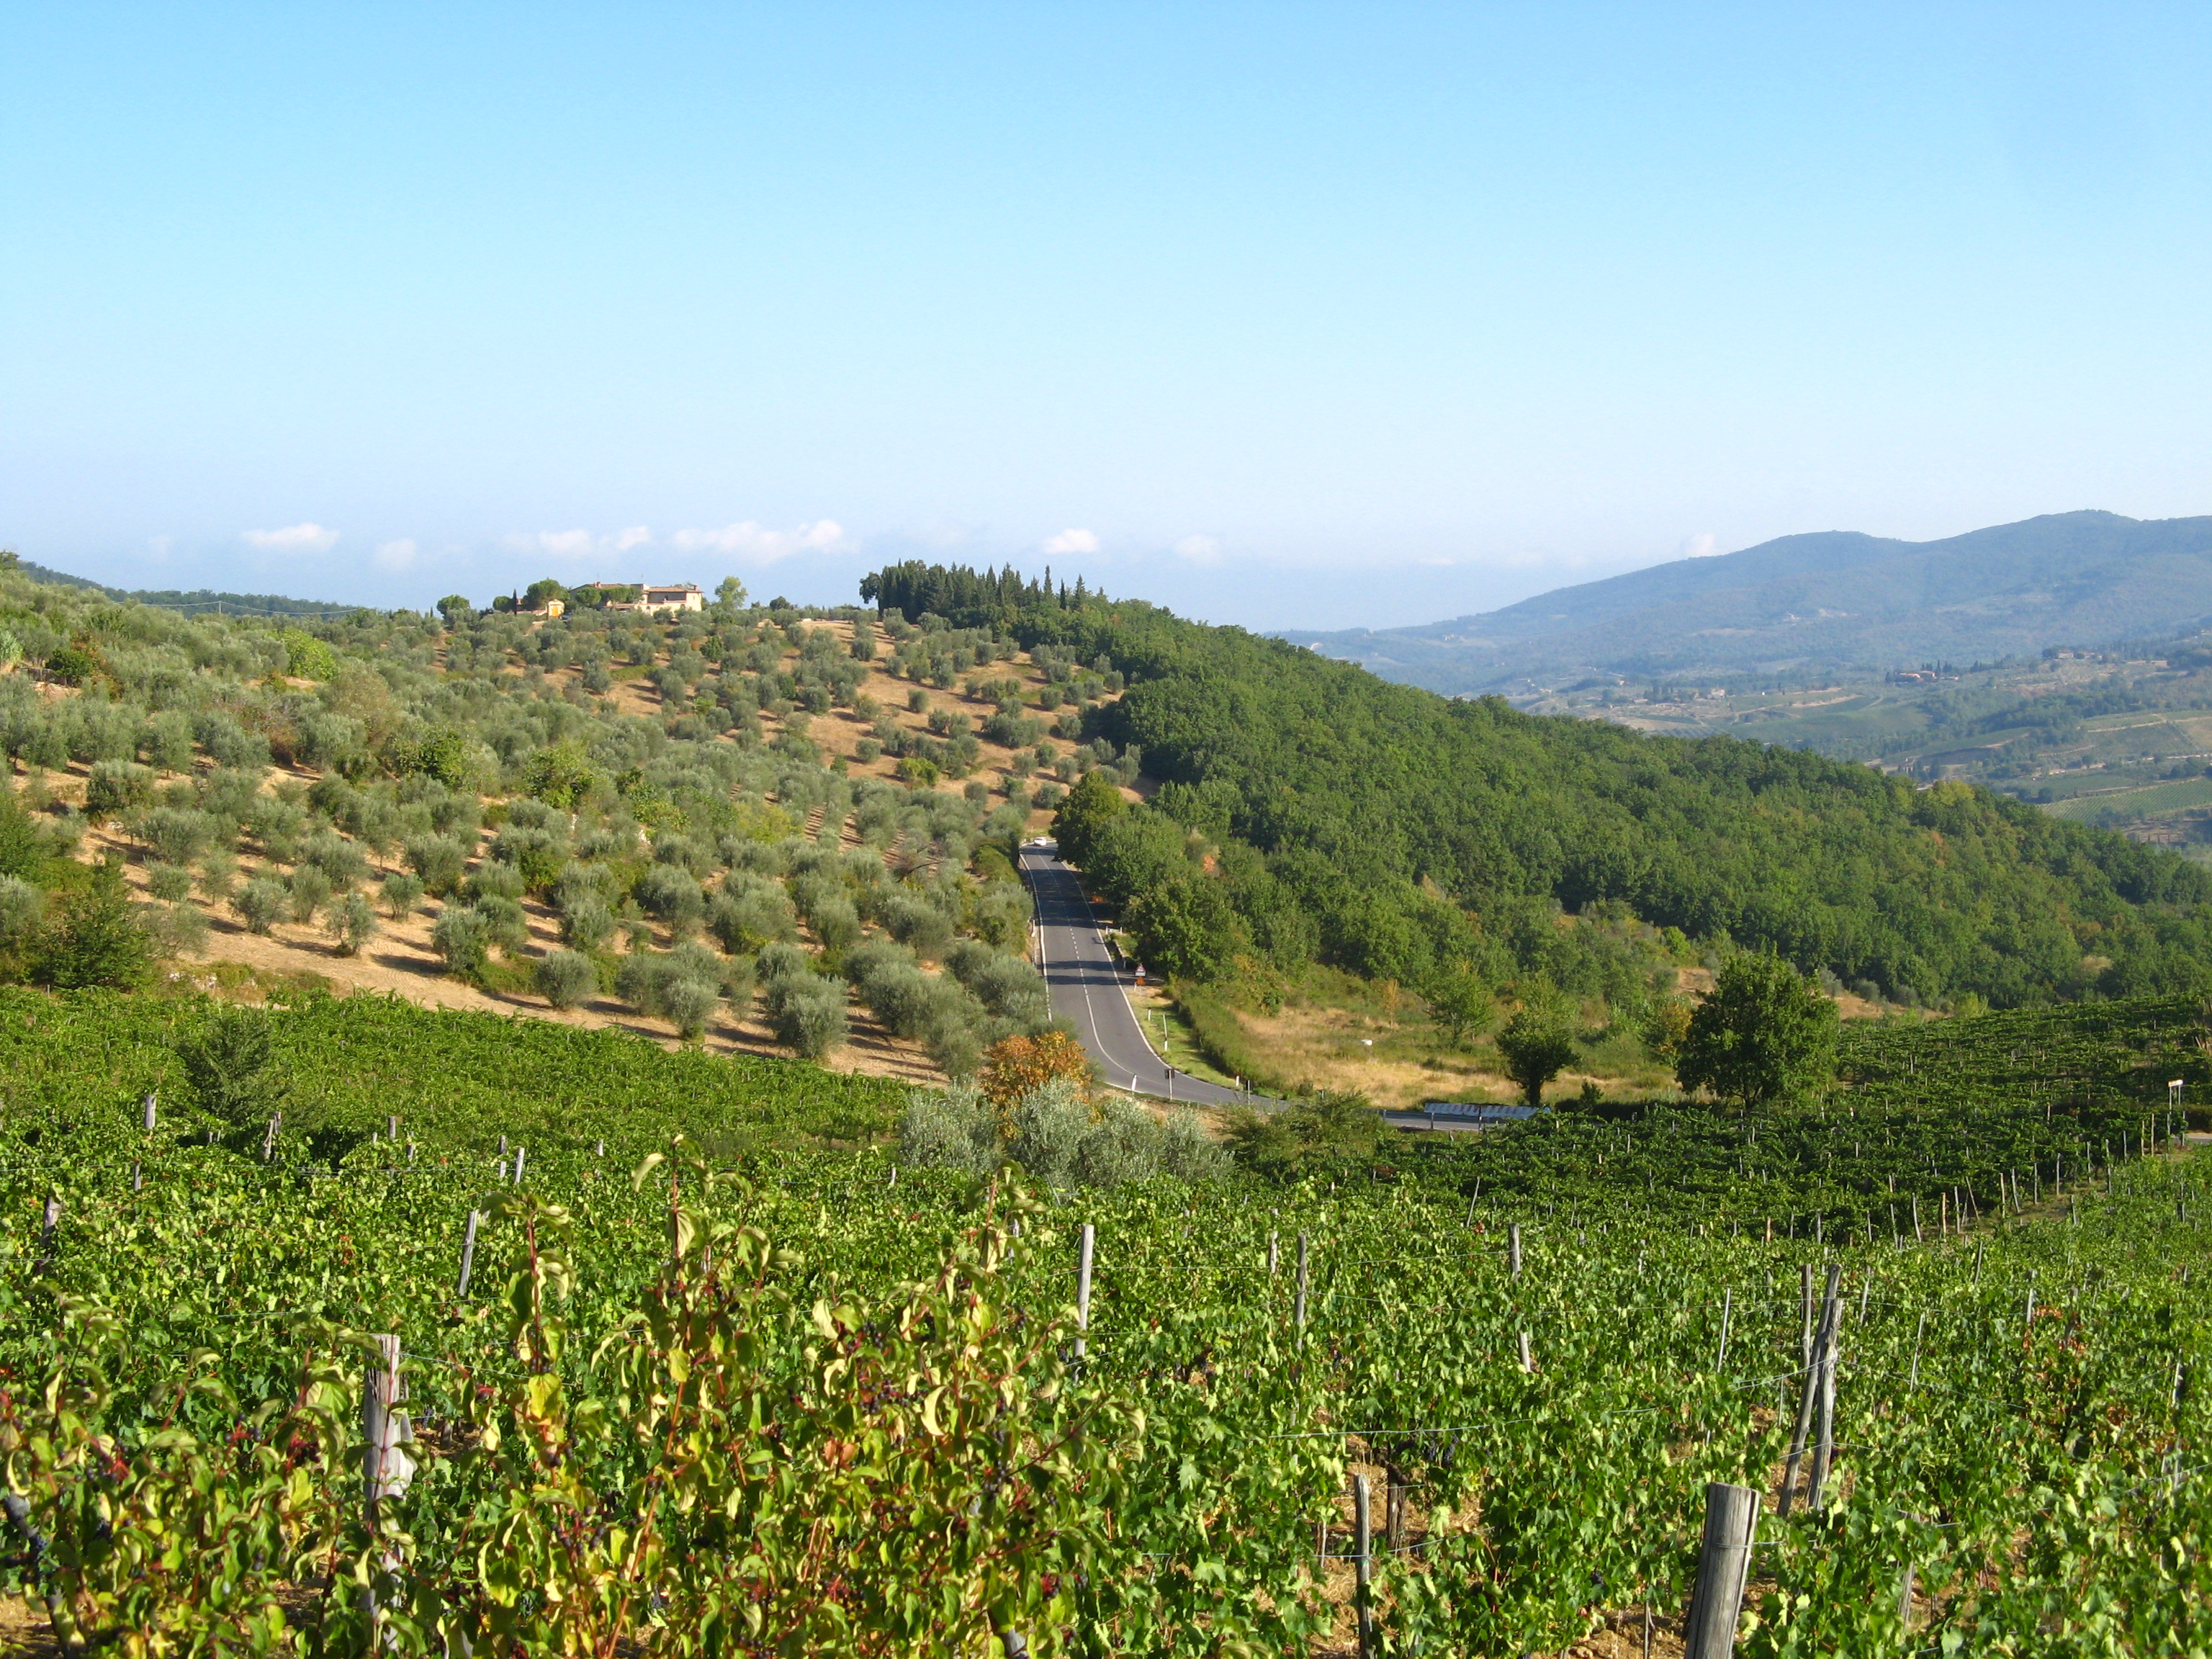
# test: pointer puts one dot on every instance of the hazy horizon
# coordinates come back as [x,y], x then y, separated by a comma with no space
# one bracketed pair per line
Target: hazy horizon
[1310,318]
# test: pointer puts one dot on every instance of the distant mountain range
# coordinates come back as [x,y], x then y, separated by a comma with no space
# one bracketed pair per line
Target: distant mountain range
[1831,602]
[199,599]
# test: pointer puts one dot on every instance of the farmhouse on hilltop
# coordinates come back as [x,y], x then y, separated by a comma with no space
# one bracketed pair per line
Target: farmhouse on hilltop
[645,596]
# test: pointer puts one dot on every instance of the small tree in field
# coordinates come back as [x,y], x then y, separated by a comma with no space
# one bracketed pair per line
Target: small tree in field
[1536,1046]
[1764,1030]
[1460,1004]
[1017,1064]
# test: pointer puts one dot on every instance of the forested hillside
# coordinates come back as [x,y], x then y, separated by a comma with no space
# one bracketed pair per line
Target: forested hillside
[1319,811]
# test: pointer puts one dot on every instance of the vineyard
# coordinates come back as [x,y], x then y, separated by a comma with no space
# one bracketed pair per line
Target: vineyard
[712,1395]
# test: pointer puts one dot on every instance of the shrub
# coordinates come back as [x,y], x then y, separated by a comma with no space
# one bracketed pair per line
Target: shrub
[166,742]
[343,862]
[918,925]
[463,938]
[351,923]
[1187,1152]
[950,1128]
[505,923]
[96,939]
[746,917]
[537,856]
[837,925]
[22,908]
[168,882]
[115,787]
[261,903]
[1017,1065]
[492,879]
[401,895]
[310,889]
[227,1066]
[578,883]
[180,930]
[671,893]
[73,665]
[1003,983]
[172,833]
[276,824]
[641,980]
[1048,1124]
[440,860]
[218,877]
[566,978]
[807,1014]
[1123,1145]
[781,962]
[690,1003]
[588,924]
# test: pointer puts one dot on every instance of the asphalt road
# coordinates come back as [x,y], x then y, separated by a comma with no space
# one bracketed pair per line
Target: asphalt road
[1087,991]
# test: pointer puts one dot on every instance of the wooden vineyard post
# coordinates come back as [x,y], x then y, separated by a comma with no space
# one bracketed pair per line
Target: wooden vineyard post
[269,1141]
[386,1467]
[1809,1395]
[1728,1307]
[519,1152]
[468,1257]
[1083,1289]
[1394,1512]
[1919,1237]
[51,1219]
[1513,1248]
[1824,1451]
[147,1106]
[1723,1565]
[1527,1363]
[1805,1309]
[1301,1310]
[1274,1253]
[1364,1563]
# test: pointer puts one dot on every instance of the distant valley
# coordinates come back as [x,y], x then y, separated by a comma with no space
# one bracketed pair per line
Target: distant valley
[2063,660]
[1811,608]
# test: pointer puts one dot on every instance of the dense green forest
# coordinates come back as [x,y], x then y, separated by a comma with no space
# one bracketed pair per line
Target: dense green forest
[1321,813]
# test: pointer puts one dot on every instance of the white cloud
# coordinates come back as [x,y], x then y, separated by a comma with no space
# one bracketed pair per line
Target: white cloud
[293,539]
[1702,545]
[759,543]
[396,554]
[158,546]
[1199,550]
[636,536]
[566,543]
[1072,541]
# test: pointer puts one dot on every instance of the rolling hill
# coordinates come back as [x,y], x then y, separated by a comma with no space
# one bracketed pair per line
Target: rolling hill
[1832,602]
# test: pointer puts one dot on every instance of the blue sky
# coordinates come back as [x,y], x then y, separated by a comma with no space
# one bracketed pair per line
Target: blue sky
[1289,315]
